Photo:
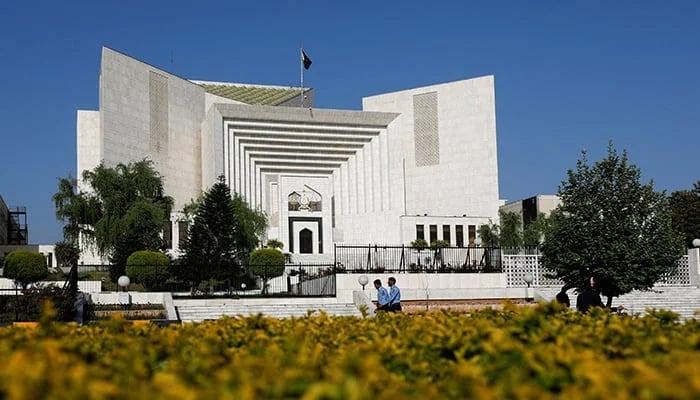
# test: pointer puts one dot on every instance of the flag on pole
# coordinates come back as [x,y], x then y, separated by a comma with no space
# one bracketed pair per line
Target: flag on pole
[305,59]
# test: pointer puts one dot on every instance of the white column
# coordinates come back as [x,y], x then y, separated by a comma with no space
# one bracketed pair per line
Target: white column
[175,219]
[694,266]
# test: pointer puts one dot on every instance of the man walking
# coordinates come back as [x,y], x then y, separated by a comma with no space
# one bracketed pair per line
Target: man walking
[394,295]
[382,296]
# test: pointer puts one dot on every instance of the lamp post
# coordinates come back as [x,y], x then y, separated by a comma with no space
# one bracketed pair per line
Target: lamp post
[363,280]
[123,296]
[528,278]
[124,282]
[696,242]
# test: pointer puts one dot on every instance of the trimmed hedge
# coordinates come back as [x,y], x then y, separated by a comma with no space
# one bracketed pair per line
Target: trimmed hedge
[148,268]
[25,267]
[542,352]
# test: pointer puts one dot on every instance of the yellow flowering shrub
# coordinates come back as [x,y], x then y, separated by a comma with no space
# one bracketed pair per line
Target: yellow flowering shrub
[542,352]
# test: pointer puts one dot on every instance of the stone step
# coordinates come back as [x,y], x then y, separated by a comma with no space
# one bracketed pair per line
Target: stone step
[193,313]
[681,300]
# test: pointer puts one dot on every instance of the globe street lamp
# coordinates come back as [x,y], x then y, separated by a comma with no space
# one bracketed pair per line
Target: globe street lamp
[124,298]
[363,280]
[696,242]
[123,281]
[528,278]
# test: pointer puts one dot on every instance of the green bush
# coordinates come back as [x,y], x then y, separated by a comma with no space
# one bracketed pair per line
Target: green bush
[148,268]
[419,244]
[25,267]
[436,244]
[275,244]
[267,263]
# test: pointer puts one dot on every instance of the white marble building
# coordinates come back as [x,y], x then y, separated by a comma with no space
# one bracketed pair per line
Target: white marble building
[418,162]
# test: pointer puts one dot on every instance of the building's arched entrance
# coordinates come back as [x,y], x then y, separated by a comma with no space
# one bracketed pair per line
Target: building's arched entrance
[306,243]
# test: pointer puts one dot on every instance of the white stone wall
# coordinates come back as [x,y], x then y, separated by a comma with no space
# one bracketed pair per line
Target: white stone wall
[465,181]
[432,286]
[89,142]
[125,113]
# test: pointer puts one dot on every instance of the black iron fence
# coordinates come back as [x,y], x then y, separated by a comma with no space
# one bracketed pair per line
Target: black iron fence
[291,280]
[392,258]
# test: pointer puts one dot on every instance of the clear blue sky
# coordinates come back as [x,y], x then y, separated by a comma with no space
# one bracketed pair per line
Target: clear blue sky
[569,74]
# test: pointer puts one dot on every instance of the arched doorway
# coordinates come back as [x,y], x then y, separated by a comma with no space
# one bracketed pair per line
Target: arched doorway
[306,243]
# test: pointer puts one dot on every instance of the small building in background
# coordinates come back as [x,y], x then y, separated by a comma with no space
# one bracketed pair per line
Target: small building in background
[14,234]
[531,207]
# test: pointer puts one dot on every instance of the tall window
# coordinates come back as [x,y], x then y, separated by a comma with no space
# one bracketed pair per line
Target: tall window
[420,232]
[472,234]
[433,233]
[446,233]
[459,232]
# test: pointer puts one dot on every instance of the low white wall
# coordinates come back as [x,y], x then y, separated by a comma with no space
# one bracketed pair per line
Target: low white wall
[256,301]
[414,286]
[83,286]
[136,297]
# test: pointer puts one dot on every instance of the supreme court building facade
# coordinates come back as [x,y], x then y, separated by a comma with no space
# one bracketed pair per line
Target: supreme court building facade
[415,163]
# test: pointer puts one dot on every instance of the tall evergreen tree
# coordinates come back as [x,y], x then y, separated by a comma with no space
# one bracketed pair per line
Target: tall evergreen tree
[224,232]
[610,226]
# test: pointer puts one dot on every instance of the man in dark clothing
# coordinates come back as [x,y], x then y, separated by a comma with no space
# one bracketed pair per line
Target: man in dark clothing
[563,298]
[590,298]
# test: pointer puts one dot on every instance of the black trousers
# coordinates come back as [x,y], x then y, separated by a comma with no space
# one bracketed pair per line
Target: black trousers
[394,307]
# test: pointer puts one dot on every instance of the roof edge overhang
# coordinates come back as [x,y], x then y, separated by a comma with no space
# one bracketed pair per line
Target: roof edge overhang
[306,115]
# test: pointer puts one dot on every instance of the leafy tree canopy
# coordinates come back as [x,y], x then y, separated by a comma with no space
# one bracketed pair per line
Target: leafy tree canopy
[147,267]
[419,244]
[511,226]
[533,234]
[67,254]
[685,212]
[275,244]
[490,235]
[121,210]
[610,226]
[267,262]
[508,233]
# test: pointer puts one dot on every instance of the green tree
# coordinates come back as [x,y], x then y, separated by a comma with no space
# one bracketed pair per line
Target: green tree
[147,267]
[533,234]
[267,263]
[685,213]
[490,235]
[252,226]
[510,230]
[67,254]
[224,232]
[25,267]
[610,226]
[122,210]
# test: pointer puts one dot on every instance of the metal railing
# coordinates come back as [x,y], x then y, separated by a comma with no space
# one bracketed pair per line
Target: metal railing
[396,258]
[292,280]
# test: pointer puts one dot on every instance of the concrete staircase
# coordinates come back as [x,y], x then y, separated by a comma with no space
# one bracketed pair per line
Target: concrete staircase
[190,311]
[683,300]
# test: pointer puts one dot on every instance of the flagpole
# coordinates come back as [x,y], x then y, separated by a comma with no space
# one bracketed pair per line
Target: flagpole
[301,68]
